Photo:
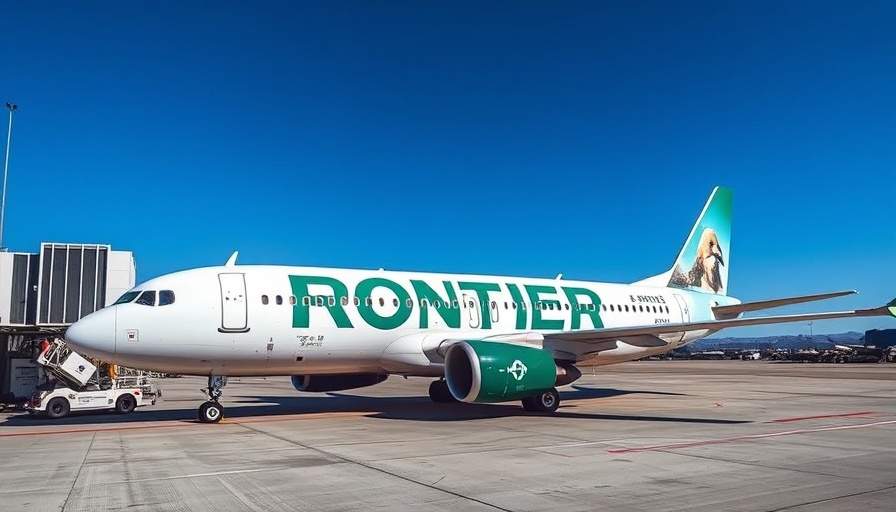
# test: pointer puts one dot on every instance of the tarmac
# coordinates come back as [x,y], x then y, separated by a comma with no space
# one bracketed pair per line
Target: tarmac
[652,435]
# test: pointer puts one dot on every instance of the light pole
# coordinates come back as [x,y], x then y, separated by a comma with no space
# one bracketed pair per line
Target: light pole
[12,107]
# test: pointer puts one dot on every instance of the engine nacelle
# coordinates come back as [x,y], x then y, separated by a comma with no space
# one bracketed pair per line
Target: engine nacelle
[339,382]
[489,371]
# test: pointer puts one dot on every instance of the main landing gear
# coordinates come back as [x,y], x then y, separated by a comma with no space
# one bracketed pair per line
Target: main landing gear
[439,393]
[212,411]
[549,401]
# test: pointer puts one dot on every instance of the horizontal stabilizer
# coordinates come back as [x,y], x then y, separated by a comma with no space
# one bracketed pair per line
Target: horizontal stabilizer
[732,311]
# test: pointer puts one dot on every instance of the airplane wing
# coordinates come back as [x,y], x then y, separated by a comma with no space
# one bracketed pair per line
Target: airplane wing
[732,311]
[640,335]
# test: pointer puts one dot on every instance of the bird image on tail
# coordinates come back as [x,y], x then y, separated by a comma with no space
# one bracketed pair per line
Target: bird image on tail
[703,263]
[706,272]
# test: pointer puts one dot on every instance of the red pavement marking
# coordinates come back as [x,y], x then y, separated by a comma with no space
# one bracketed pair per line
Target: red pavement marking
[746,438]
[92,430]
[820,416]
[180,423]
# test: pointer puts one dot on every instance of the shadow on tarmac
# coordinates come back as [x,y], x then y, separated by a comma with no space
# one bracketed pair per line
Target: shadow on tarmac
[413,408]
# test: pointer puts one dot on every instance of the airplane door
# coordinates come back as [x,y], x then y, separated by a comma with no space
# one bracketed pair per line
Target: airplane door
[683,308]
[233,303]
[472,305]
[685,312]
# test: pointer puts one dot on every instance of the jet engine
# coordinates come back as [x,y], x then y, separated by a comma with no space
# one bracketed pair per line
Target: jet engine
[338,382]
[487,371]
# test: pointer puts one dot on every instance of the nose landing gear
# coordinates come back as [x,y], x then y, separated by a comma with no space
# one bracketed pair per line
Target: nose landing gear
[212,411]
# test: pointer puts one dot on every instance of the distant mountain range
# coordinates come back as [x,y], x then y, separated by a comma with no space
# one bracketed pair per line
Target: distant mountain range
[819,341]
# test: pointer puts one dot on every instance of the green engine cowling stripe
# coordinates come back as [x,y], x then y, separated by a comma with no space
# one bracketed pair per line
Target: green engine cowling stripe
[494,365]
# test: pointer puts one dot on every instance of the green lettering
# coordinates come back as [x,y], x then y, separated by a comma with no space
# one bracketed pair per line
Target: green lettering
[518,300]
[301,311]
[365,289]
[573,294]
[535,292]
[482,290]
[450,315]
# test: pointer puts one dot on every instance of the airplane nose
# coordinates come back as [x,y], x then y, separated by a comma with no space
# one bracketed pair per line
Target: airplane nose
[94,335]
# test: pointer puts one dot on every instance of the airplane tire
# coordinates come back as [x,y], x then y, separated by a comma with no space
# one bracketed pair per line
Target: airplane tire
[57,408]
[125,404]
[211,412]
[439,392]
[549,401]
[529,404]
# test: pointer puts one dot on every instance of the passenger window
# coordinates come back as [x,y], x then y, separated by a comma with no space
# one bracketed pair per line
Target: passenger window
[264,299]
[368,301]
[127,297]
[147,298]
[395,302]
[331,300]
[513,305]
[278,299]
[437,304]
[611,308]
[494,305]
[345,301]
[320,300]
[422,303]
[306,301]
[382,302]
[455,303]
[292,300]
[410,303]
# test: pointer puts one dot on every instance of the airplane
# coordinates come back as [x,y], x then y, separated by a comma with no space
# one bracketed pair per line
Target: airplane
[481,338]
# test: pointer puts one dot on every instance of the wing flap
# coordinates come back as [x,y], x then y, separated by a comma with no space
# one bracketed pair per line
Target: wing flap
[732,311]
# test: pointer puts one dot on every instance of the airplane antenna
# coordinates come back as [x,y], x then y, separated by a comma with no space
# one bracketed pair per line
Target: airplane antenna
[232,261]
[559,276]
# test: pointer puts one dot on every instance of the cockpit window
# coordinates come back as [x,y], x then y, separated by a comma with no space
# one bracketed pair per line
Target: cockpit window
[147,298]
[127,297]
[166,297]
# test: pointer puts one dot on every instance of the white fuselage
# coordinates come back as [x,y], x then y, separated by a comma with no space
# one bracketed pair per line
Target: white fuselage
[277,320]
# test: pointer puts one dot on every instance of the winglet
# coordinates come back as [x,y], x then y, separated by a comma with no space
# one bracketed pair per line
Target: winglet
[891,307]
[232,261]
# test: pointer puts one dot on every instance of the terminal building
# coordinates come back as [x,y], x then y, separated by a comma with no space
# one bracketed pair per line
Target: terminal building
[43,293]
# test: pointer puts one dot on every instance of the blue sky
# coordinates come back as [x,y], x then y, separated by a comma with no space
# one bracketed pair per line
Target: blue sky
[521,138]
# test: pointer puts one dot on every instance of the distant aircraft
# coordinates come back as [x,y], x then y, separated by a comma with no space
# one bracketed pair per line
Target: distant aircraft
[484,338]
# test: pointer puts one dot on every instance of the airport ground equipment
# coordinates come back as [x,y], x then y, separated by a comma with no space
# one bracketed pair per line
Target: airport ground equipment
[76,385]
